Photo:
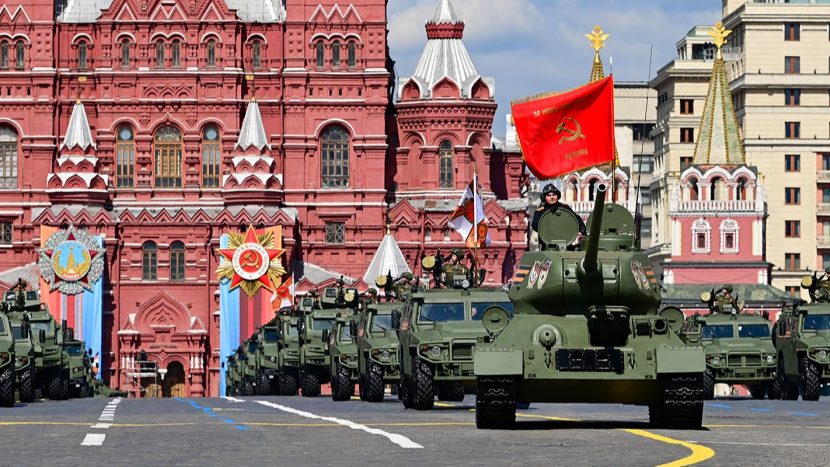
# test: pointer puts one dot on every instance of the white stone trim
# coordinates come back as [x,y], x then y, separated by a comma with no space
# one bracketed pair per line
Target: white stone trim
[701,226]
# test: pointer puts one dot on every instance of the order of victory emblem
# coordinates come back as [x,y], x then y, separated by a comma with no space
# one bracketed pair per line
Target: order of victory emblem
[251,262]
[71,261]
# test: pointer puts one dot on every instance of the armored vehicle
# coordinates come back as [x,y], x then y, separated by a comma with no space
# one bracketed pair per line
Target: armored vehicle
[437,330]
[343,358]
[289,355]
[246,358]
[738,350]
[268,358]
[802,340]
[80,368]
[377,351]
[586,328]
[24,346]
[8,376]
[231,376]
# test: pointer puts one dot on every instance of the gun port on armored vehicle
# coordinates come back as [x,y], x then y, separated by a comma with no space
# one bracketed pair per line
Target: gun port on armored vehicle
[586,328]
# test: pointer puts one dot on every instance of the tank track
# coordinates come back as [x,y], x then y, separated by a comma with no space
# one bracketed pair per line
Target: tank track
[495,403]
[681,404]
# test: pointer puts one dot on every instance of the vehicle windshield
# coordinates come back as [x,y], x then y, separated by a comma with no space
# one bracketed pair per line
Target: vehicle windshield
[345,333]
[2,327]
[816,323]
[292,330]
[74,350]
[37,326]
[717,331]
[319,324]
[753,330]
[270,335]
[381,323]
[17,331]
[252,347]
[477,309]
[441,312]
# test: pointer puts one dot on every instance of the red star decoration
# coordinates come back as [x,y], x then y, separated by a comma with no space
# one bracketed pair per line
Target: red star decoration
[253,258]
[92,255]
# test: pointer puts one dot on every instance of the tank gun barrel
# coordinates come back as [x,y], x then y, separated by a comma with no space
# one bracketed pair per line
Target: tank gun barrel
[589,263]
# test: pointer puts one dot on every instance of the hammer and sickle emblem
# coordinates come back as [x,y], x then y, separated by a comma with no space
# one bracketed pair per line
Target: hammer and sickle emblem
[571,134]
[250,259]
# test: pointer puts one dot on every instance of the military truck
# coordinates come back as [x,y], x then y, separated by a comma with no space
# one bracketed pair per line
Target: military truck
[802,341]
[343,359]
[231,376]
[437,330]
[586,329]
[268,357]
[738,349]
[377,350]
[246,357]
[80,367]
[289,355]
[24,347]
[8,376]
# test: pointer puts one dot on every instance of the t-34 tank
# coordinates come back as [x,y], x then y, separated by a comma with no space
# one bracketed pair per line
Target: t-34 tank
[586,329]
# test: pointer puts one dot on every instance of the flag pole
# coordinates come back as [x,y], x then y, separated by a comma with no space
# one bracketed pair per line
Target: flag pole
[475,226]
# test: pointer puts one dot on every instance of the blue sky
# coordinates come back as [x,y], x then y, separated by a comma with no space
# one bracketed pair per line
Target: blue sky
[533,46]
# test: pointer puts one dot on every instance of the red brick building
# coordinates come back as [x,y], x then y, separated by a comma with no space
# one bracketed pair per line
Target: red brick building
[163,124]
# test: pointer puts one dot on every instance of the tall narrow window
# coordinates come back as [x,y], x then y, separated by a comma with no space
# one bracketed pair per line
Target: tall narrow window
[6,231]
[125,53]
[792,97]
[8,158]
[168,158]
[211,157]
[792,261]
[211,53]
[125,157]
[149,261]
[321,54]
[4,55]
[792,32]
[792,196]
[20,55]
[687,106]
[177,261]
[445,165]
[792,162]
[792,130]
[792,65]
[792,229]
[335,161]
[82,55]
[175,54]
[701,232]
[159,54]
[352,58]
[335,54]
[335,233]
[687,135]
[256,53]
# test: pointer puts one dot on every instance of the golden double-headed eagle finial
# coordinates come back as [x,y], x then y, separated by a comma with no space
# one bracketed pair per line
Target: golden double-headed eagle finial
[719,34]
[597,38]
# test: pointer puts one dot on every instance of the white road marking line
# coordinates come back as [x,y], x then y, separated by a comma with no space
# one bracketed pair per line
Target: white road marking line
[93,439]
[101,425]
[233,399]
[400,440]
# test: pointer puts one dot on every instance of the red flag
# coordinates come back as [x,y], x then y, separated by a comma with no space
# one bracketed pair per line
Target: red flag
[567,132]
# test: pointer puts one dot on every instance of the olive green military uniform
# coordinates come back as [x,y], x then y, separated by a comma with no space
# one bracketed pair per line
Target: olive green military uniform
[403,286]
[724,300]
[454,267]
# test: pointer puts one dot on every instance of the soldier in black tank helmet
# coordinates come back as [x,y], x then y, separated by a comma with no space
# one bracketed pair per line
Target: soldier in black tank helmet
[550,203]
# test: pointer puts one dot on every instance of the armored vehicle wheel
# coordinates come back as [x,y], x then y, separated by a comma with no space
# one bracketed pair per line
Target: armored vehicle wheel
[423,397]
[681,406]
[450,392]
[7,380]
[406,392]
[310,384]
[774,389]
[342,387]
[495,403]
[708,385]
[264,386]
[361,388]
[248,388]
[27,385]
[58,388]
[789,391]
[758,391]
[809,374]
[64,391]
[374,383]
[288,383]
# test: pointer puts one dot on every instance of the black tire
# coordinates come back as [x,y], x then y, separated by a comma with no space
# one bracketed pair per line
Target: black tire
[406,392]
[288,383]
[789,391]
[342,387]
[810,377]
[55,388]
[495,403]
[455,393]
[264,386]
[7,383]
[423,397]
[708,384]
[374,383]
[310,384]
[248,388]
[774,388]
[64,389]
[27,385]
[758,391]
[681,402]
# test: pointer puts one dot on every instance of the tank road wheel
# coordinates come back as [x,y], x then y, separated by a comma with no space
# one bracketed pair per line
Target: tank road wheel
[7,380]
[264,386]
[423,396]
[374,383]
[310,384]
[27,385]
[809,374]
[681,404]
[758,391]
[708,384]
[342,387]
[406,392]
[495,403]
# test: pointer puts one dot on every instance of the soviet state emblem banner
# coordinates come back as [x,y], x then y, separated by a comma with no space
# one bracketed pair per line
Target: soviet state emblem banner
[563,133]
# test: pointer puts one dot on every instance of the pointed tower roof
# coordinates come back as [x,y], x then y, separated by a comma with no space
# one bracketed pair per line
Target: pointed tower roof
[253,131]
[445,13]
[719,141]
[388,258]
[78,132]
[597,38]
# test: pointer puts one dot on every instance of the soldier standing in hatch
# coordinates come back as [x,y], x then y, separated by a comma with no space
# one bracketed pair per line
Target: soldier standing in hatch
[550,203]
[455,267]
[403,286]
[724,300]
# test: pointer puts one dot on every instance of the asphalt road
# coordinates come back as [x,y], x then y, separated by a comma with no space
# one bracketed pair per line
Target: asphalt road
[298,431]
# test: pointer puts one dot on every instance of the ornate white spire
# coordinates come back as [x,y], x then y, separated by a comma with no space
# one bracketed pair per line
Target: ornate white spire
[445,13]
[78,132]
[388,258]
[253,131]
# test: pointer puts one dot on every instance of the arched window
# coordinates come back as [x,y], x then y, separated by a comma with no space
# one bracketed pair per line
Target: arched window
[427,234]
[82,55]
[125,157]
[211,157]
[447,234]
[352,58]
[168,157]
[149,261]
[701,241]
[729,231]
[717,190]
[694,190]
[8,158]
[125,53]
[335,160]
[592,189]
[177,261]
[741,190]
[335,54]
[4,55]
[445,165]
[159,54]
[256,54]
[321,54]
[20,55]
[211,53]
[175,54]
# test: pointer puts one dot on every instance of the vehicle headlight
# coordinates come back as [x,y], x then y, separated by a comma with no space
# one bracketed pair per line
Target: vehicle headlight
[822,355]
[272,358]
[385,355]
[770,358]
[435,351]
[716,360]
[4,356]
[22,360]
